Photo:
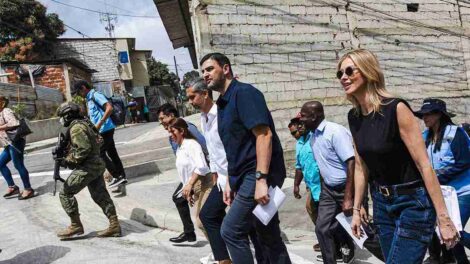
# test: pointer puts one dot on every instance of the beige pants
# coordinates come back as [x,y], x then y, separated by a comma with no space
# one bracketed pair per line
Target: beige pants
[202,188]
[312,207]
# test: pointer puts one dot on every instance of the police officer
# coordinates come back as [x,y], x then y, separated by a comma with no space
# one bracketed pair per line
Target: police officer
[83,156]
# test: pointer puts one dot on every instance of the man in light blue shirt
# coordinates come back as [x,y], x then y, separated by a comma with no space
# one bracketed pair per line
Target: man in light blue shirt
[99,112]
[334,153]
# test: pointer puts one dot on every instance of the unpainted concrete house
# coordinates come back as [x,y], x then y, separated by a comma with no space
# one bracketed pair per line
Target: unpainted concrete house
[289,48]
[118,66]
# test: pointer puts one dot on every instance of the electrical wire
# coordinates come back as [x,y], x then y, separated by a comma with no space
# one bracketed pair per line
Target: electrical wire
[86,36]
[101,12]
[397,18]
[108,4]
[42,40]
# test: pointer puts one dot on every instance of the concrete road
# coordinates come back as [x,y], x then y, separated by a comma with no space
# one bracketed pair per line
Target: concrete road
[28,231]
[130,143]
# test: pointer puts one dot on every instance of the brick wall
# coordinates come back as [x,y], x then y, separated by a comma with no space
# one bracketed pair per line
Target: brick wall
[289,48]
[53,77]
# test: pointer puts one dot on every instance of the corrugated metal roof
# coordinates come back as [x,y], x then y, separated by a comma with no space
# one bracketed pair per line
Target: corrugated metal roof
[177,21]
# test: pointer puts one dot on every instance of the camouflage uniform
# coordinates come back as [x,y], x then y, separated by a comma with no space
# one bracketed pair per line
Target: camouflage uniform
[88,168]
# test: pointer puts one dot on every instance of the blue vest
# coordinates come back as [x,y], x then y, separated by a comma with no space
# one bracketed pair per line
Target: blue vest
[442,160]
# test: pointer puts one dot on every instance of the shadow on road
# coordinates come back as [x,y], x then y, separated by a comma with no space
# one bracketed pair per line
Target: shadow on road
[41,255]
[47,188]
[87,236]
[129,227]
[198,244]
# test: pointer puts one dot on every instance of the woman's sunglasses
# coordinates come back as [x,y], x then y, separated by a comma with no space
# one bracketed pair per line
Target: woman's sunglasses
[349,72]
[294,132]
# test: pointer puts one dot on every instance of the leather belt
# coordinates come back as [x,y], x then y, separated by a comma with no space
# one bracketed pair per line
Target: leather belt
[401,189]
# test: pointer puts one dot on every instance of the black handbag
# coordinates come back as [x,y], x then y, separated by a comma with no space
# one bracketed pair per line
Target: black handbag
[20,131]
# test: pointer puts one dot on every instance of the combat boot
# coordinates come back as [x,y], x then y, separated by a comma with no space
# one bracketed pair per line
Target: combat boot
[75,228]
[114,229]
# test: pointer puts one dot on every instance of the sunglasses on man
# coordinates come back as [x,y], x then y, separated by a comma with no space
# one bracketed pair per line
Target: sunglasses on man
[349,71]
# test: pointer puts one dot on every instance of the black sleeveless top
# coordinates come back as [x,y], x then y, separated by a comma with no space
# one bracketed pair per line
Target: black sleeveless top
[378,142]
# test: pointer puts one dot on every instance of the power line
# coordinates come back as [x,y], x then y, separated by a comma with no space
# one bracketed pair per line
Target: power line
[86,36]
[401,19]
[43,40]
[117,7]
[101,12]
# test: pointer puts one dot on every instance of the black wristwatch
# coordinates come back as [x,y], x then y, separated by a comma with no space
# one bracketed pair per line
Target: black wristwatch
[260,175]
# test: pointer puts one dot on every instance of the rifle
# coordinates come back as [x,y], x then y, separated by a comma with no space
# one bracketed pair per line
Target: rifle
[58,154]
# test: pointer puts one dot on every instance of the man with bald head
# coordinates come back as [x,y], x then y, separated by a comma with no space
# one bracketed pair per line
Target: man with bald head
[333,150]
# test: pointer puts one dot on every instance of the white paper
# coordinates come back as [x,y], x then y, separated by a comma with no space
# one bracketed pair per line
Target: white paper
[346,224]
[452,204]
[266,212]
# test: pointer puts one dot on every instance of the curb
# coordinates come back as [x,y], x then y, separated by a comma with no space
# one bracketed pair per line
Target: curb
[48,145]
[149,167]
[44,146]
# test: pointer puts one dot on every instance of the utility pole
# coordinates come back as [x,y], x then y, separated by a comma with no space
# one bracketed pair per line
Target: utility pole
[176,67]
[179,99]
[108,19]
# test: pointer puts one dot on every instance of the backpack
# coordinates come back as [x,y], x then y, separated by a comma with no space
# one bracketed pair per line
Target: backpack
[118,115]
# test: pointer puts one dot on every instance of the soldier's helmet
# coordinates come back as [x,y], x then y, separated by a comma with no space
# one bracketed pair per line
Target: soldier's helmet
[69,112]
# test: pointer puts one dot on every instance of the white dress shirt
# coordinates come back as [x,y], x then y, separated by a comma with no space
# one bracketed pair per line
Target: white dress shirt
[189,159]
[217,157]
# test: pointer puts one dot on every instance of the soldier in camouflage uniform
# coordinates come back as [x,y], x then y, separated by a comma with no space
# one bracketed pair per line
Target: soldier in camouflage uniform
[83,156]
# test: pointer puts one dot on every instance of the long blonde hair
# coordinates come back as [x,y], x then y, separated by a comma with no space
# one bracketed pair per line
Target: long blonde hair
[369,67]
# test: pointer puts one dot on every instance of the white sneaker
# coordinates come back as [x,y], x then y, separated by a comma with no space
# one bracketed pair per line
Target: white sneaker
[208,260]
[320,259]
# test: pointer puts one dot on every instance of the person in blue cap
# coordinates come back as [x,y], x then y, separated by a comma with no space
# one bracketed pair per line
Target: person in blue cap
[448,148]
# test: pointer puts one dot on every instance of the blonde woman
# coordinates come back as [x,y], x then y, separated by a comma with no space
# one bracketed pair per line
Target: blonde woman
[12,151]
[391,155]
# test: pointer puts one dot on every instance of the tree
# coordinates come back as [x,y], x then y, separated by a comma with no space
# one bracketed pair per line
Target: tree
[189,76]
[26,31]
[158,72]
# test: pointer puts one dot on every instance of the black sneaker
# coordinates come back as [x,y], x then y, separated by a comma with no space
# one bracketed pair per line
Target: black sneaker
[348,254]
[117,181]
[183,237]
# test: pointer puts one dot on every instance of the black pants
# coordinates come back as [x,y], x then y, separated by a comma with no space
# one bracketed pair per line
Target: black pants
[212,214]
[183,209]
[328,229]
[110,156]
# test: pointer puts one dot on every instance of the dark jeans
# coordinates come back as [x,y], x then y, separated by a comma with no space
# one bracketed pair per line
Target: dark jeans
[459,250]
[15,153]
[183,209]
[110,156]
[212,215]
[239,221]
[405,224]
[327,228]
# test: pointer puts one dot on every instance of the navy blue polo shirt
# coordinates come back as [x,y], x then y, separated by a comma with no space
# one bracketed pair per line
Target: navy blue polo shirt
[241,109]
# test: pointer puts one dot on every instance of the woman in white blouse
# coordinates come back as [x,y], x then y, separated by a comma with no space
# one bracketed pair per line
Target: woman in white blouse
[192,167]
[12,151]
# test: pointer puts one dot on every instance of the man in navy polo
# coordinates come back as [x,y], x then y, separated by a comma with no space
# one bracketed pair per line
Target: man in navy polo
[255,160]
